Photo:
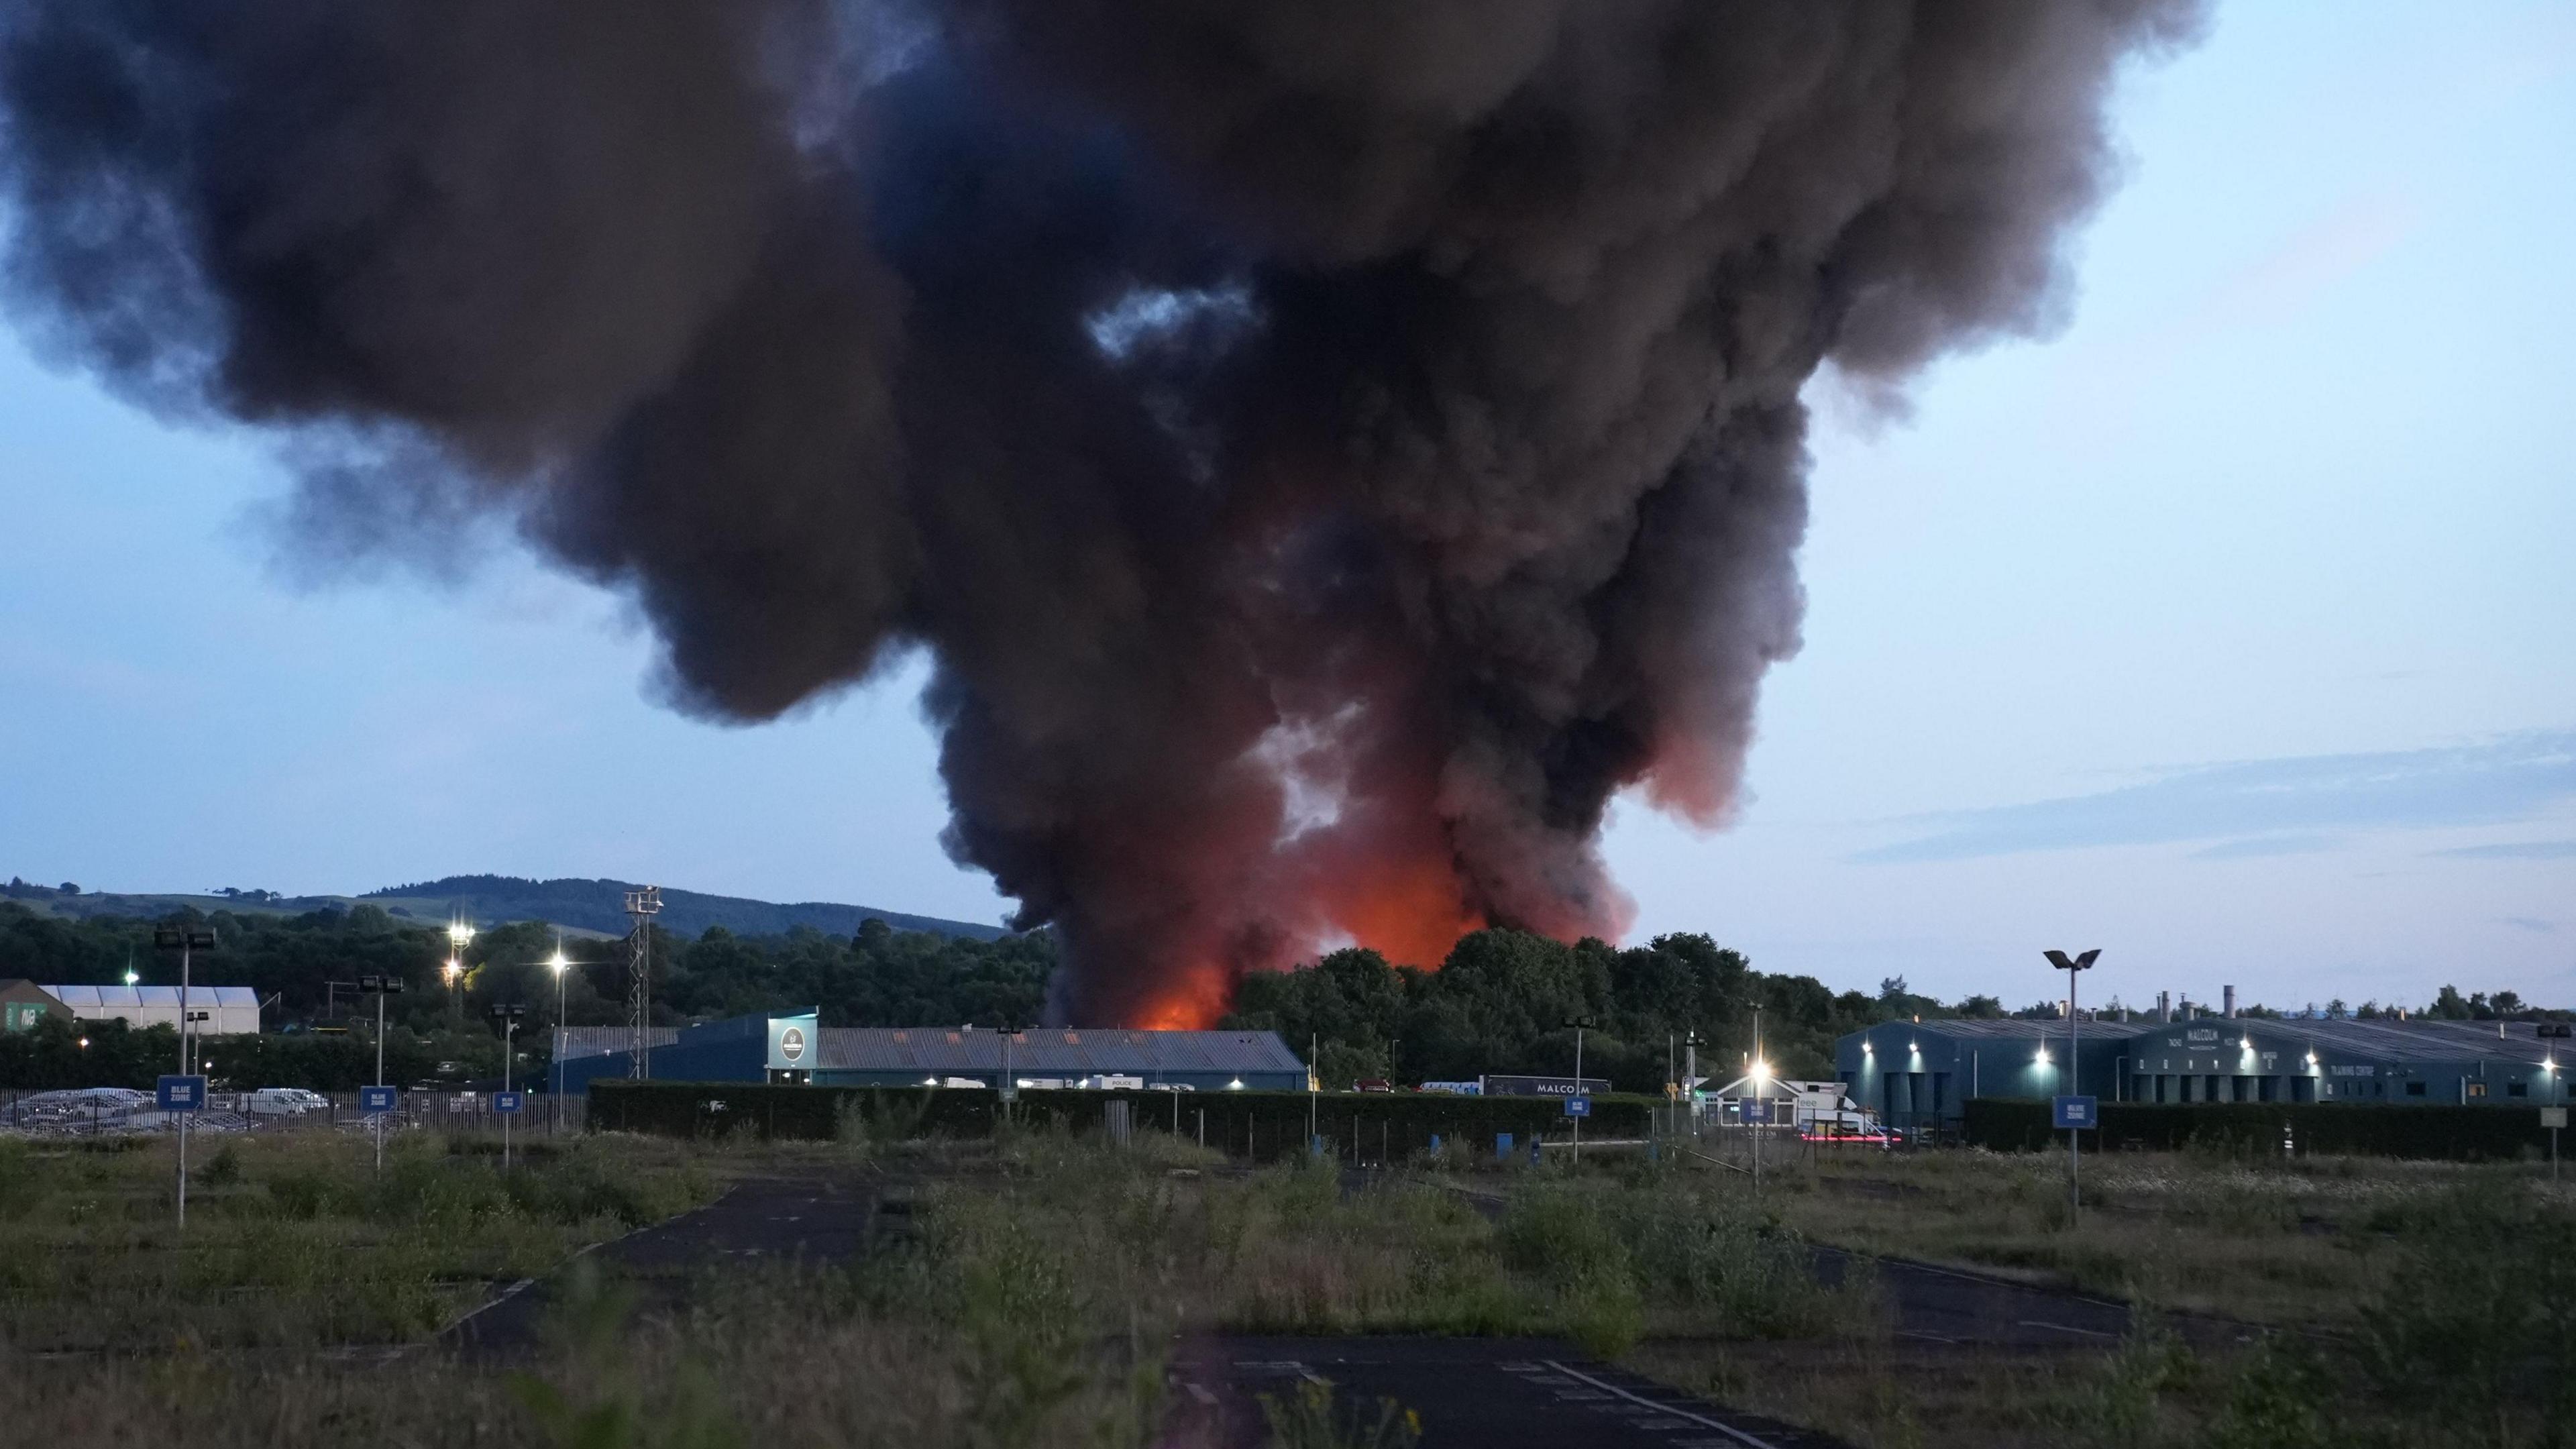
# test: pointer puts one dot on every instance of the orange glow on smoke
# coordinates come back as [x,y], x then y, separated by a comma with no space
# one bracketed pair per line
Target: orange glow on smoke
[1411,915]
[1191,1003]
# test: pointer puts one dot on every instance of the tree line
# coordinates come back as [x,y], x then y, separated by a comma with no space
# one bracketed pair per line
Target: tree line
[1502,1001]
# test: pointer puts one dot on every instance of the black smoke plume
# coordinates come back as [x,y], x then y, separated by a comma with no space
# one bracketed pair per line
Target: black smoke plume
[1329,447]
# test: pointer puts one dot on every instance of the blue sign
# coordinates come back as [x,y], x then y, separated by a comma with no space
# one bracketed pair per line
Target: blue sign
[180,1094]
[509,1101]
[2067,1114]
[372,1100]
[1755,1110]
[1502,1144]
[1578,1106]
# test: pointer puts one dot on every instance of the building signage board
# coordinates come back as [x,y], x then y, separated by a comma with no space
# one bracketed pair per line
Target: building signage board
[1514,1086]
[180,1094]
[2068,1114]
[794,1043]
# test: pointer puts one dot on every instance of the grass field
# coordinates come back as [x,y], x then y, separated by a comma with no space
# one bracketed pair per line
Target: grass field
[2303,1241]
[1045,1279]
[294,1241]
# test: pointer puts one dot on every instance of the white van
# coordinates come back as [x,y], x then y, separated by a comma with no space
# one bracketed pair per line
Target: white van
[283,1102]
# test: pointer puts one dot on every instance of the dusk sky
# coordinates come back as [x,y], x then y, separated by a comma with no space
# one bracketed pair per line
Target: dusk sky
[2231,630]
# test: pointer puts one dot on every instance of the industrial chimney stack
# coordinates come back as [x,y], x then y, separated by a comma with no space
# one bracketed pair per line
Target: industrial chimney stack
[2164,1006]
[2227,1002]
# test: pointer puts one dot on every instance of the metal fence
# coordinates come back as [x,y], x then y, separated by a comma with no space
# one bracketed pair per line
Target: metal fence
[60,1114]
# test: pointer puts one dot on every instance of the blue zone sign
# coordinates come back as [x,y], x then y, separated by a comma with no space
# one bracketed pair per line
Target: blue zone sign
[1755,1110]
[508,1101]
[375,1099]
[180,1094]
[1578,1106]
[2069,1114]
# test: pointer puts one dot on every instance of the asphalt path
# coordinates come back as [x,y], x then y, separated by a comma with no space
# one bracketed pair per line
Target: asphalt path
[1934,1304]
[806,1219]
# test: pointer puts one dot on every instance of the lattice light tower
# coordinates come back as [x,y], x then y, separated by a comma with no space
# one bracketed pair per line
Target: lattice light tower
[641,907]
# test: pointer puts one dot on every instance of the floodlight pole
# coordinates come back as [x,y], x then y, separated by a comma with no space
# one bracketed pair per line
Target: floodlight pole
[1578,1091]
[184,943]
[1760,1074]
[561,964]
[641,907]
[186,938]
[1314,1084]
[2074,1079]
[380,1075]
[1578,1024]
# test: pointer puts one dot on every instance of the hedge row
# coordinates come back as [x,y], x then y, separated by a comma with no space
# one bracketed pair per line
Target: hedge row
[2445,1131]
[1261,1125]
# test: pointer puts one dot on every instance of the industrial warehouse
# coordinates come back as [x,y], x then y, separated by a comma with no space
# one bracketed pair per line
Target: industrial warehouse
[792,1047]
[1924,1072]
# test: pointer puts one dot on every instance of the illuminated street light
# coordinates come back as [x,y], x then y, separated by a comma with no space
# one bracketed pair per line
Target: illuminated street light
[132,976]
[558,963]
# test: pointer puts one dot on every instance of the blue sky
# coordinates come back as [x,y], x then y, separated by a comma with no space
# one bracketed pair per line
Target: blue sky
[2232,630]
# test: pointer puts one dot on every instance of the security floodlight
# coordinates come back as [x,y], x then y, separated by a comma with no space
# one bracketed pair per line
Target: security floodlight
[2064,962]
[558,962]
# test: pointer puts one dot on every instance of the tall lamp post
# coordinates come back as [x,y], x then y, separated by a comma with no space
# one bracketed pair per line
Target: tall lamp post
[185,940]
[559,964]
[380,987]
[1579,1023]
[2074,1067]
[507,1018]
[458,935]
[1762,1094]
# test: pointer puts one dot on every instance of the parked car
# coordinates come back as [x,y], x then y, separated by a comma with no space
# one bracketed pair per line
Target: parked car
[1373,1084]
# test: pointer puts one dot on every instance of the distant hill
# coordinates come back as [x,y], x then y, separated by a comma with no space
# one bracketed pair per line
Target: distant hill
[600,905]
[590,907]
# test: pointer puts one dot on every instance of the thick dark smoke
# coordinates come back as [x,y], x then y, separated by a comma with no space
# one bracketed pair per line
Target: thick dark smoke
[1329,447]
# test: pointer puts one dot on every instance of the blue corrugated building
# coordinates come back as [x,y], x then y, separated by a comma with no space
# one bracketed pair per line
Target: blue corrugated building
[1922,1073]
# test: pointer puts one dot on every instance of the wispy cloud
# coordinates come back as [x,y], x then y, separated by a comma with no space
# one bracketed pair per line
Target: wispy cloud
[2512,778]
[2533,924]
[2257,846]
[2515,850]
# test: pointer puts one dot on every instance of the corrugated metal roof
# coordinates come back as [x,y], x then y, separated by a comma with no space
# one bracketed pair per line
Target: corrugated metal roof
[2012,1028]
[594,1041]
[133,998]
[1053,1052]
[2399,1041]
